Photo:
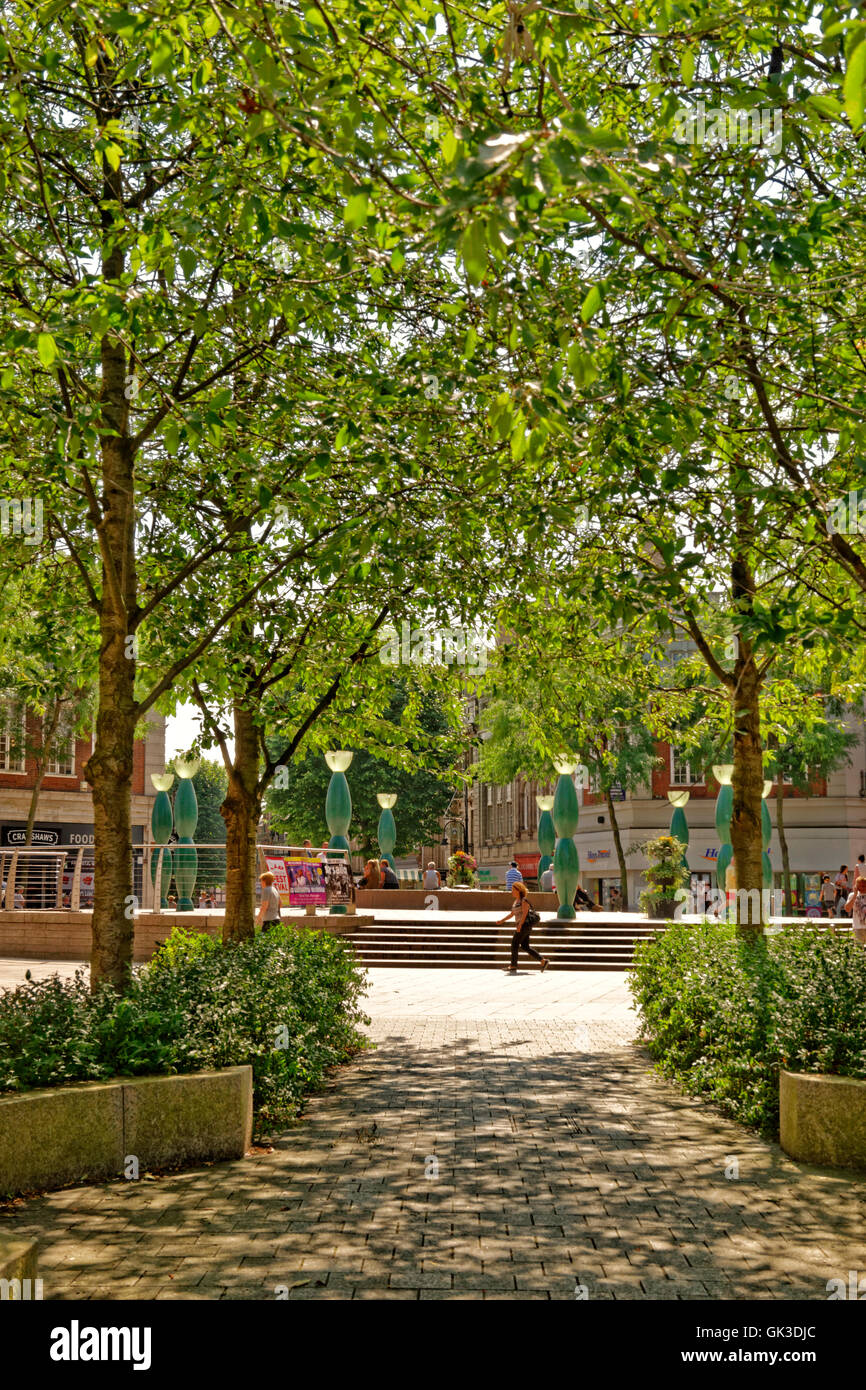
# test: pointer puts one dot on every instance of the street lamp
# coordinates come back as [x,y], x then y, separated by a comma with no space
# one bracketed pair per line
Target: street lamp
[386,833]
[566,861]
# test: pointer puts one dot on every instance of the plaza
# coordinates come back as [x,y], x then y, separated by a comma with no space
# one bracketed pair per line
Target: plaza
[505,1139]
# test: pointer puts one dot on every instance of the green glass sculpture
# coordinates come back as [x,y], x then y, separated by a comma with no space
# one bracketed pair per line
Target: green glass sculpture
[723,773]
[546,833]
[161,826]
[185,821]
[386,832]
[566,861]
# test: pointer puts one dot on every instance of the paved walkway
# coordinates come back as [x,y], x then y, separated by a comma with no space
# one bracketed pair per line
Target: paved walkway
[480,1157]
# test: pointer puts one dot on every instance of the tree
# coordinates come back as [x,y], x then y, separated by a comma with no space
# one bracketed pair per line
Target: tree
[560,683]
[424,780]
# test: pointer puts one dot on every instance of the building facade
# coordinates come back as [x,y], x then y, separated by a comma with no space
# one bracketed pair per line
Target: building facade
[824,828]
[64,813]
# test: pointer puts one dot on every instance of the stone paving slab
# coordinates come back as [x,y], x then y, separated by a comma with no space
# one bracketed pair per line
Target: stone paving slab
[470,1158]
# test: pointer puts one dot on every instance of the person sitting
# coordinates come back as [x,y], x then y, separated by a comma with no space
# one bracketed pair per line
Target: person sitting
[389,878]
[432,878]
[582,901]
[545,883]
[372,878]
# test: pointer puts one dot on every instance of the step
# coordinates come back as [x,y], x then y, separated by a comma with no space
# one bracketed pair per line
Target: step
[486,963]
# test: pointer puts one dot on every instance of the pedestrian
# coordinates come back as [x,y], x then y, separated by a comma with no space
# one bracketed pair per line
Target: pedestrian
[856,907]
[19,898]
[432,878]
[269,912]
[546,881]
[372,878]
[841,886]
[389,878]
[525,918]
[615,900]
[513,875]
[827,895]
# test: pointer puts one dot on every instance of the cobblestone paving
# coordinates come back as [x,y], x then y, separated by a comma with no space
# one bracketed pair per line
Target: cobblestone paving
[555,1159]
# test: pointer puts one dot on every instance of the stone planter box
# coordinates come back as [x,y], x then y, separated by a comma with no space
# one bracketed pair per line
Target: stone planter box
[87,1133]
[18,1265]
[450,899]
[823,1119]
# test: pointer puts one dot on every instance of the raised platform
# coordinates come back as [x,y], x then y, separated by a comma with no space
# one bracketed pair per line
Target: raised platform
[581,945]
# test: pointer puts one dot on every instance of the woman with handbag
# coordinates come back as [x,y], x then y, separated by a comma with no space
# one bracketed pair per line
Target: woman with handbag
[525,918]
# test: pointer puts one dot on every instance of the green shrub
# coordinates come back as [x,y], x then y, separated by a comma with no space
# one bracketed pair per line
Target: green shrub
[722,1015]
[286,1003]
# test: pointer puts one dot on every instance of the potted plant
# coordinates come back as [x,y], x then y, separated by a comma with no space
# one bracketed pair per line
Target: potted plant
[461,871]
[666,874]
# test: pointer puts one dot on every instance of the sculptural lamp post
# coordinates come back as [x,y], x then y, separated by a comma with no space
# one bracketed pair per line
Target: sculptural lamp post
[161,825]
[723,773]
[338,802]
[766,836]
[185,822]
[679,825]
[546,833]
[386,833]
[566,861]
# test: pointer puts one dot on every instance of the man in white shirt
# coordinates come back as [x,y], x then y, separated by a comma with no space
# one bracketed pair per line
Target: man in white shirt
[546,881]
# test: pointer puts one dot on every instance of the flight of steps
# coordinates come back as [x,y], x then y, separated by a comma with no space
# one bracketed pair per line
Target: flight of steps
[484,946]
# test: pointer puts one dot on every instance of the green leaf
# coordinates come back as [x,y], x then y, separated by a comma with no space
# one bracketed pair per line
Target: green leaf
[854,89]
[591,304]
[687,66]
[357,211]
[47,349]
[473,248]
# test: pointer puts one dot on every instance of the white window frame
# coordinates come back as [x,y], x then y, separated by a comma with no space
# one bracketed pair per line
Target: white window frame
[64,743]
[684,763]
[9,712]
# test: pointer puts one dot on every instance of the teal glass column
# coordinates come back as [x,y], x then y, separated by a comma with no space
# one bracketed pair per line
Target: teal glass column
[566,861]
[723,773]
[386,832]
[679,825]
[766,837]
[338,806]
[161,826]
[185,822]
[338,802]
[546,833]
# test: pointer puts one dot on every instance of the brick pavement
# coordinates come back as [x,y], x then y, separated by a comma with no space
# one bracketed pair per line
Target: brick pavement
[555,1159]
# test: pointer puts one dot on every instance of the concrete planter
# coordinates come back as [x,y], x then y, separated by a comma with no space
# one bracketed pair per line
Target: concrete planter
[90,1132]
[18,1267]
[823,1119]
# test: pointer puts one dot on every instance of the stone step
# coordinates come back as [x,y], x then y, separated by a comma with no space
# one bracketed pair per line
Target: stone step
[486,962]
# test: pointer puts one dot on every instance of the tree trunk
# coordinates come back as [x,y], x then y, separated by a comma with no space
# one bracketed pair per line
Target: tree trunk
[241,811]
[783,845]
[109,769]
[748,778]
[617,840]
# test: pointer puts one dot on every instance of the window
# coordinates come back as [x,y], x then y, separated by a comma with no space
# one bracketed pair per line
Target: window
[489,794]
[509,791]
[13,737]
[61,762]
[681,770]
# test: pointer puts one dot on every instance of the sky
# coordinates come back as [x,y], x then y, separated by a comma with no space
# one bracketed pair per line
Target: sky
[181,731]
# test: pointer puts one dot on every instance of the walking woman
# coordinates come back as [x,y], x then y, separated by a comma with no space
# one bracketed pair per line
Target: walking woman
[525,918]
